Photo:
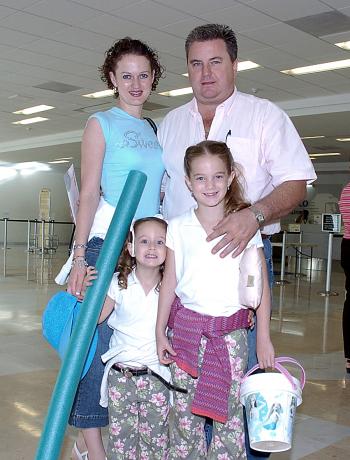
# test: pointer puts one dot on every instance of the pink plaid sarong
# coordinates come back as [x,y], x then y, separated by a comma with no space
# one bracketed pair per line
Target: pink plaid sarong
[214,377]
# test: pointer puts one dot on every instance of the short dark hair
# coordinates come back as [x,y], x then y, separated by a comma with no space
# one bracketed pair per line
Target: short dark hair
[125,46]
[213,32]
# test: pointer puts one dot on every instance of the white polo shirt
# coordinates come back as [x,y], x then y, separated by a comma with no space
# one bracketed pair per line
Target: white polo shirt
[206,283]
[262,140]
[133,321]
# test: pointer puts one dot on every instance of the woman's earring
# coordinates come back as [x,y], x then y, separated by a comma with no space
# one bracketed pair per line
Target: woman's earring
[115,90]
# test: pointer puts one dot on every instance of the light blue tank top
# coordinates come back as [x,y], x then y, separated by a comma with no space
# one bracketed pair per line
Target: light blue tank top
[130,144]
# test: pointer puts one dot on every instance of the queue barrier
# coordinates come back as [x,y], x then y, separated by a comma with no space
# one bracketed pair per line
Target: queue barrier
[40,236]
[299,248]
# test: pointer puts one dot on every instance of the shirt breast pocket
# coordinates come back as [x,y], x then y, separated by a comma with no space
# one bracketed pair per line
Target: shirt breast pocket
[249,161]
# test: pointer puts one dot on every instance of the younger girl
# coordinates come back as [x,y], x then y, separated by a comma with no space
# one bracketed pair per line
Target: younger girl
[207,319]
[135,385]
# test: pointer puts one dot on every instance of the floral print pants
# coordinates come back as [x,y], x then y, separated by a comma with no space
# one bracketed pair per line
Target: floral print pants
[187,437]
[138,418]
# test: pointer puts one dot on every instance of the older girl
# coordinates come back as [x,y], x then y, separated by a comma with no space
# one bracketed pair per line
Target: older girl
[208,349]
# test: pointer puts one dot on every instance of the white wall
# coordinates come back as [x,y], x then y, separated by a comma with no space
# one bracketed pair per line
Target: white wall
[19,199]
[322,195]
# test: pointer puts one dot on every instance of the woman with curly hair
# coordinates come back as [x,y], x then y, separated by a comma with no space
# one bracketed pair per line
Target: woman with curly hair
[114,142]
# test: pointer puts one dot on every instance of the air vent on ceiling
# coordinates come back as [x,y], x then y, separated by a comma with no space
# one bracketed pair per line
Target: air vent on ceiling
[328,23]
[328,148]
[147,106]
[94,108]
[57,87]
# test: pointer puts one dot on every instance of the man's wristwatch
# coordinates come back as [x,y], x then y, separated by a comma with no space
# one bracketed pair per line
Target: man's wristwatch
[258,214]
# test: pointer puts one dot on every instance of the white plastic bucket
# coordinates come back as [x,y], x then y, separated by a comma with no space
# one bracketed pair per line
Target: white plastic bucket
[270,401]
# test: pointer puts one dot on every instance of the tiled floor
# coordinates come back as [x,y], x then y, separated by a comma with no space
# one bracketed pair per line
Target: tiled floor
[304,325]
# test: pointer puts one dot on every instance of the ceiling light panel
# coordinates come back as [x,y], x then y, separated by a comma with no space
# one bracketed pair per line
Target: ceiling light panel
[325,67]
[98,94]
[29,121]
[330,154]
[247,65]
[54,162]
[177,92]
[343,45]
[35,109]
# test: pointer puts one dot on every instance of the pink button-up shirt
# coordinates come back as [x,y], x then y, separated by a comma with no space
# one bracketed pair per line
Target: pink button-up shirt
[344,206]
[262,139]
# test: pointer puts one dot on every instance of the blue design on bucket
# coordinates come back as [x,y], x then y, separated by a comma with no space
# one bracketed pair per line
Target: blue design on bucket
[257,407]
[273,417]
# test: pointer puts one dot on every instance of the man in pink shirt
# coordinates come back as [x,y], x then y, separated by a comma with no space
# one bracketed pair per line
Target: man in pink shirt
[262,139]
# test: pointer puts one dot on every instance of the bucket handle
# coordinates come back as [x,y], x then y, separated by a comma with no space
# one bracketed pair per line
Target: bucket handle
[283,370]
[286,359]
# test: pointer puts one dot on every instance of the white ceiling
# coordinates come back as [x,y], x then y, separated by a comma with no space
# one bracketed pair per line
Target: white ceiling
[64,40]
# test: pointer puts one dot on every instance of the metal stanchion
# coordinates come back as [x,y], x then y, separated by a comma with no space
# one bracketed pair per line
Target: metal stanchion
[5,233]
[280,309]
[298,273]
[50,227]
[325,324]
[50,235]
[42,236]
[5,246]
[297,289]
[28,235]
[28,247]
[28,261]
[4,262]
[42,260]
[35,234]
[282,280]
[42,251]
[327,291]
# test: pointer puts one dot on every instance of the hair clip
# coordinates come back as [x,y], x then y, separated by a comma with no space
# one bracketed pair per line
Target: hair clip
[132,252]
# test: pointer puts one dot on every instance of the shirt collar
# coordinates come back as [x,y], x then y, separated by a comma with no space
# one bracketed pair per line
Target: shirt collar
[226,105]
[132,279]
[190,218]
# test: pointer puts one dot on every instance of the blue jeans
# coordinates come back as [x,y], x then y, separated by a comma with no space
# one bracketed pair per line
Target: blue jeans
[252,361]
[86,411]
[268,258]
